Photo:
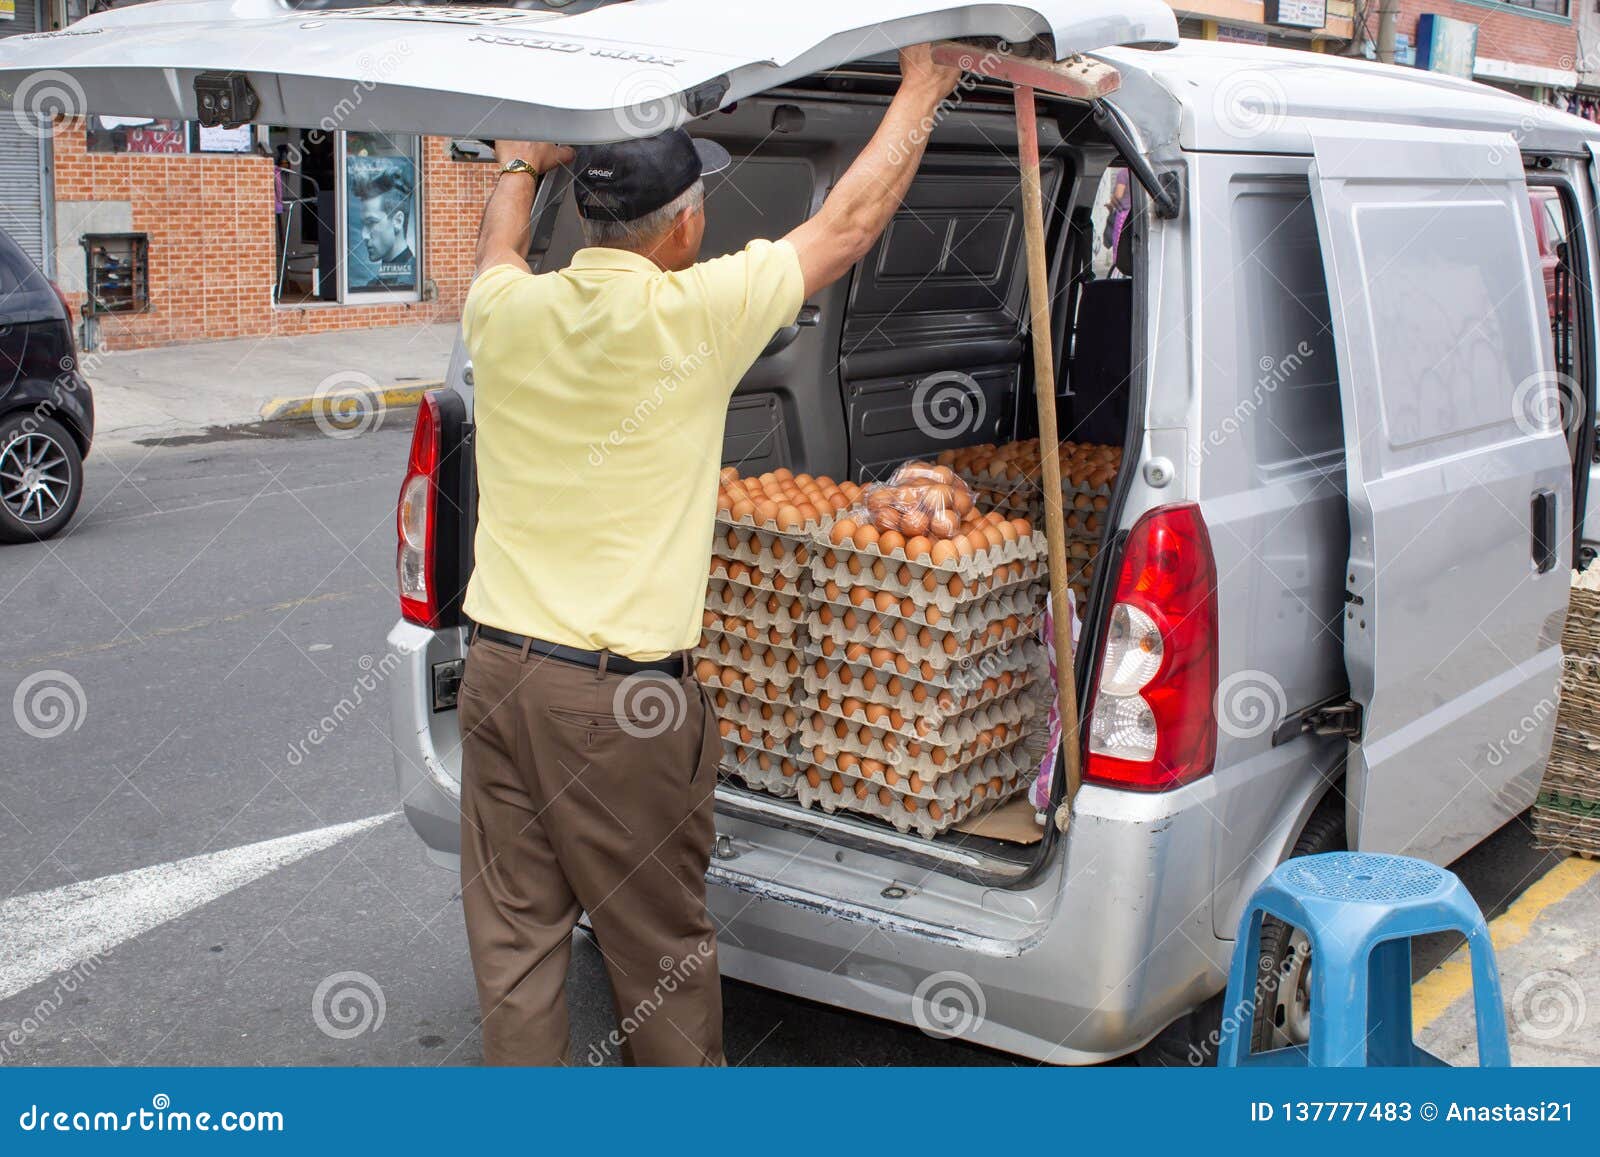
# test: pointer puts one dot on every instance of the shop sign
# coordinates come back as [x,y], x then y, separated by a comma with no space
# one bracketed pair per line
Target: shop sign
[8,9]
[1446,45]
[1240,35]
[1296,13]
[214,139]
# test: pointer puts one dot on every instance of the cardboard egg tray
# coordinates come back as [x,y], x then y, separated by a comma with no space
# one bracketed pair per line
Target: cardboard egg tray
[759,715]
[965,620]
[954,734]
[774,684]
[909,657]
[745,763]
[977,779]
[745,630]
[767,661]
[906,813]
[831,582]
[778,742]
[764,608]
[772,553]
[1023,662]
[754,575]
[824,749]
[975,566]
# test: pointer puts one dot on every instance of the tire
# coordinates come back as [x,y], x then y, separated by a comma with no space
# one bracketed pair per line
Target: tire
[41,477]
[1191,1040]
[1283,968]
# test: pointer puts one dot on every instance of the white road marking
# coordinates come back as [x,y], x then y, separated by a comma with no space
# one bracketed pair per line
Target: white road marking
[45,933]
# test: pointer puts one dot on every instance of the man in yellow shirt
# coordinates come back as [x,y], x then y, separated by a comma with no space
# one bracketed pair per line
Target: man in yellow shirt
[589,753]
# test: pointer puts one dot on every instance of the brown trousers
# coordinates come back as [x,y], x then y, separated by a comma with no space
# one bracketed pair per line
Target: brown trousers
[583,791]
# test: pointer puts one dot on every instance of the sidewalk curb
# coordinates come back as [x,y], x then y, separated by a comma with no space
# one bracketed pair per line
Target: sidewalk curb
[335,405]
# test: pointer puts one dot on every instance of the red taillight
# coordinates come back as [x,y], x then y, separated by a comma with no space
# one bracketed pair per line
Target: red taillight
[1152,723]
[416,522]
[62,298]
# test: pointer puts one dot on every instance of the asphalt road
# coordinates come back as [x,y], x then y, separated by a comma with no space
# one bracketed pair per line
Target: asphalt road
[213,600]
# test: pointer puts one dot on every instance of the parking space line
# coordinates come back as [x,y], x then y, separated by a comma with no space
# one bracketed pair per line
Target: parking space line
[1446,984]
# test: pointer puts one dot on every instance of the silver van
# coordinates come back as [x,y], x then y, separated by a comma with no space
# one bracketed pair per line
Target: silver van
[1356,437]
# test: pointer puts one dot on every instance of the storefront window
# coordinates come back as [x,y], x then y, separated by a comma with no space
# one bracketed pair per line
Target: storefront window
[380,214]
[1555,7]
[113,134]
[156,135]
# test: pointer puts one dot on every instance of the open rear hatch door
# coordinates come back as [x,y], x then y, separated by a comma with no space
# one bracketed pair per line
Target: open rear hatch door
[619,70]
[1460,487]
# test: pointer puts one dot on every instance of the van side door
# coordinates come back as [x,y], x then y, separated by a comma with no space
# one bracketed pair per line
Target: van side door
[1459,480]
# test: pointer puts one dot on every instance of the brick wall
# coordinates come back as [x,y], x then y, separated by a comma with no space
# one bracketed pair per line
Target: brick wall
[1504,32]
[210,221]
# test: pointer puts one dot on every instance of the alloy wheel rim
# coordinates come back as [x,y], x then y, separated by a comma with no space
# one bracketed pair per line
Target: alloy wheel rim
[34,478]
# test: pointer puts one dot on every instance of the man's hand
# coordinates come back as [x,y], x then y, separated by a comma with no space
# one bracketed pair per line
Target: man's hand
[867,196]
[506,231]
[542,155]
[920,76]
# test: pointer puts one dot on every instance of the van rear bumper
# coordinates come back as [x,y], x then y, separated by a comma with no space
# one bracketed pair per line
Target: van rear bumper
[1115,954]
[1072,972]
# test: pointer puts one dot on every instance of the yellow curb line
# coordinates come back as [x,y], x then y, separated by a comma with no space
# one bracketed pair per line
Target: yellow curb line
[1446,984]
[330,405]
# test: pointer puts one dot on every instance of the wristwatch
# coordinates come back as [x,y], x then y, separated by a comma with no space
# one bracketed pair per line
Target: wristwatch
[518,165]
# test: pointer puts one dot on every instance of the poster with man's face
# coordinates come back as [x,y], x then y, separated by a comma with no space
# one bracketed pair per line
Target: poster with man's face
[381,211]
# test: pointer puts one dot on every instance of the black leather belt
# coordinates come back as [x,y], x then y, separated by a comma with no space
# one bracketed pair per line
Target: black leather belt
[671,665]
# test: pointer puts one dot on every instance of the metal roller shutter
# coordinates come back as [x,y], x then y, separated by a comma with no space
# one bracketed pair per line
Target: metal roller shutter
[22,189]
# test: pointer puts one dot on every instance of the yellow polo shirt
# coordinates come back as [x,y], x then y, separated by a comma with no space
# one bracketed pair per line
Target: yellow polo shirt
[601,391]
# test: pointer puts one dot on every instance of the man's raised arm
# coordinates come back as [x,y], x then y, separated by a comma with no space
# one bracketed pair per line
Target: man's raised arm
[505,235]
[866,197]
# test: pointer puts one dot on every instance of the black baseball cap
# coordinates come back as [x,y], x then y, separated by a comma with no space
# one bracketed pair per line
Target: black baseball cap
[626,180]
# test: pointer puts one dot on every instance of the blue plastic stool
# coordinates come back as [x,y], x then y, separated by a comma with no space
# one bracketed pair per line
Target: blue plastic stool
[1359,912]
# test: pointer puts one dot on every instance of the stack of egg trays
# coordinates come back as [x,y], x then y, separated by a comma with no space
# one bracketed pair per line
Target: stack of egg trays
[918,765]
[757,603]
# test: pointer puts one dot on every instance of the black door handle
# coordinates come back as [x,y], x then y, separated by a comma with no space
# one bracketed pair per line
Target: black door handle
[809,316]
[1543,517]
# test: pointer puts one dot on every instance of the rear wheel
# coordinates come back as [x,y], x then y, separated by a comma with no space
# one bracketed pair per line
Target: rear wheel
[1283,967]
[1283,974]
[41,478]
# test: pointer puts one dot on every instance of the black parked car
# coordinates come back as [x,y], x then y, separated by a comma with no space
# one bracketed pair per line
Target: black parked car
[46,412]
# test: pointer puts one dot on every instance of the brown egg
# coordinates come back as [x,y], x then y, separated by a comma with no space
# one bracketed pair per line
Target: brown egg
[964,545]
[914,523]
[890,540]
[865,536]
[887,519]
[860,596]
[743,508]
[944,553]
[1023,527]
[885,601]
[843,531]
[918,547]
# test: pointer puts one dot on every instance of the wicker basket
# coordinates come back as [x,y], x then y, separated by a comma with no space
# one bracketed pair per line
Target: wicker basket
[1567,813]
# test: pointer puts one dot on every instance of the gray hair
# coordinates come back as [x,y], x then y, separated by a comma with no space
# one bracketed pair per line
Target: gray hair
[641,233]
